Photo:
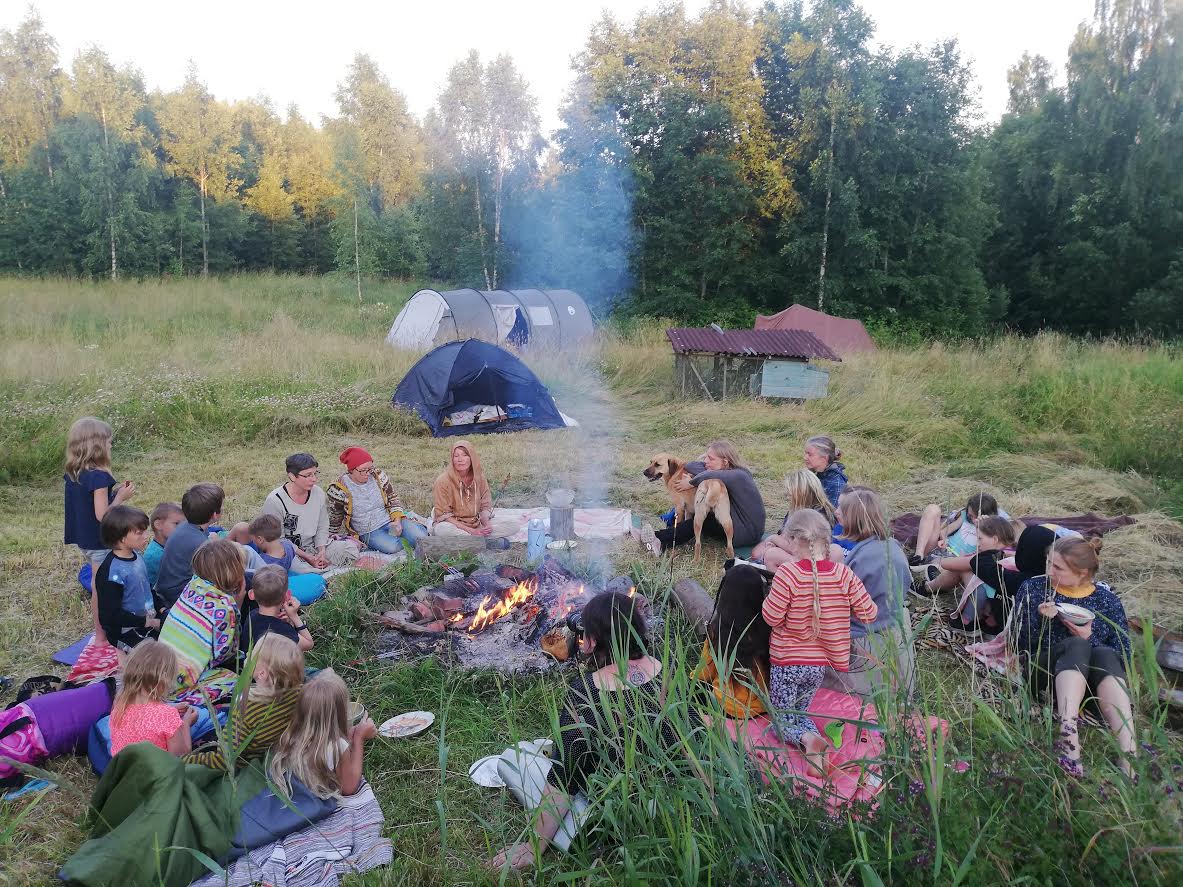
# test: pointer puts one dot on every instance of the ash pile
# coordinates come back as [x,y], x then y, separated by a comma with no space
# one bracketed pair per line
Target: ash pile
[507,619]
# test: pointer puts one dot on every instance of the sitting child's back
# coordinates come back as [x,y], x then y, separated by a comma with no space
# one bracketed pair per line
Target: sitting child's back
[140,713]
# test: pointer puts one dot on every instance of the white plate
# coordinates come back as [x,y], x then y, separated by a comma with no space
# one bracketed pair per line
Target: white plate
[484,772]
[1076,615]
[408,723]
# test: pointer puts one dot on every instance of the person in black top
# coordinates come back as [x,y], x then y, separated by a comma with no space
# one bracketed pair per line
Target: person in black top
[986,608]
[618,690]
[276,611]
[126,611]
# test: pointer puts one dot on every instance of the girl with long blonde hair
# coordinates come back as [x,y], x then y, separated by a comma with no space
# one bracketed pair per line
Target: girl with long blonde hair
[319,747]
[266,710]
[140,713]
[90,491]
[803,490]
[808,609]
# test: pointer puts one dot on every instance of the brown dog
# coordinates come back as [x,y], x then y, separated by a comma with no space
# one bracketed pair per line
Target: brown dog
[710,496]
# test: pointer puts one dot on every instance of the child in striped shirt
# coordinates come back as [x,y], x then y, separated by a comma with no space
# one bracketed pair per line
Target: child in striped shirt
[808,609]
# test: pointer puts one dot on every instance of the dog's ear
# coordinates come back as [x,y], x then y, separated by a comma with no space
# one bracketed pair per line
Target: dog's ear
[675,465]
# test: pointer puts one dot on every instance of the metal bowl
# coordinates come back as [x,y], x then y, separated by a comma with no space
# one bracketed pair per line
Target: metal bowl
[1076,615]
[357,713]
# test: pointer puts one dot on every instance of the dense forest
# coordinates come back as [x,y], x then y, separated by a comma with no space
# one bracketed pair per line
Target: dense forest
[706,167]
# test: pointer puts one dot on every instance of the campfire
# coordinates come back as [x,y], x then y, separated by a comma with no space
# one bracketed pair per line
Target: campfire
[506,618]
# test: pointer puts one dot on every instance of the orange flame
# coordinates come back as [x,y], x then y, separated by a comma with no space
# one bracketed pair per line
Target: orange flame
[490,610]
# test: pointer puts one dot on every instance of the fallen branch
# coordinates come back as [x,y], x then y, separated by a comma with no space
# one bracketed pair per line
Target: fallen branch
[396,622]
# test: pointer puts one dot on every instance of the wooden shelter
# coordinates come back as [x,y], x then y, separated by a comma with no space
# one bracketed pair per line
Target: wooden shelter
[717,364]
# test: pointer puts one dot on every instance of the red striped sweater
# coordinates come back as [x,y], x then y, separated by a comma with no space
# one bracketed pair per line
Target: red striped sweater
[788,610]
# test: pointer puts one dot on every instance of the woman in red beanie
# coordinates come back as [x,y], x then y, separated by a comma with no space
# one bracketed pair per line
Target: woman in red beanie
[364,506]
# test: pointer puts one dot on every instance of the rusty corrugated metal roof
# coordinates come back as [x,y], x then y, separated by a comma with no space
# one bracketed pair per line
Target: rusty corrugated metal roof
[797,344]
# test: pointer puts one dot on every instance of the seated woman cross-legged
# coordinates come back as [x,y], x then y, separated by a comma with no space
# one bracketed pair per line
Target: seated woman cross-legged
[617,693]
[1075,632]
[462,503]
[363,505]
[722,462]
[302,509]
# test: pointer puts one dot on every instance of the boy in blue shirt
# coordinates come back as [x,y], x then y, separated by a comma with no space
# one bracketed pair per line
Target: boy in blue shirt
[126,610]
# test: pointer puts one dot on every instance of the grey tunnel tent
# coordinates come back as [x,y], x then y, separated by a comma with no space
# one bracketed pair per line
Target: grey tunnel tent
[542,318]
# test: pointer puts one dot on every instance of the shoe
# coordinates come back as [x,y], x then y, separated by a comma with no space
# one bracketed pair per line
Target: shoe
[649,540]
[500,544]
[969,630]
[915,560]
[921,576]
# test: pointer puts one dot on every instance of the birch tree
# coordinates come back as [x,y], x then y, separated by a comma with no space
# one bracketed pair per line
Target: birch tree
[198,136]
[112,97]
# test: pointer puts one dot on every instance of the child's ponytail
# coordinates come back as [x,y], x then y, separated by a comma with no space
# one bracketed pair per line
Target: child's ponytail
[814,530]
[815,625]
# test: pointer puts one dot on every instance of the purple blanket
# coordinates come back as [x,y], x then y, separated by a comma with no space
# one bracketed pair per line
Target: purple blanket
[904,527]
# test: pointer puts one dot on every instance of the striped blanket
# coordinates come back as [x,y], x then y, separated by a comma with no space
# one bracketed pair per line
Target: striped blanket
[348,841]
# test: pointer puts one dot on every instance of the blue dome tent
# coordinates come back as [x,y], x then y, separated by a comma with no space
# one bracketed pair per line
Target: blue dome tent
[472,387]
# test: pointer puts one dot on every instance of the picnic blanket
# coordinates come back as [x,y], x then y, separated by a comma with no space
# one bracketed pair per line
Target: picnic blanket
[96,662]
[904,527]
[349,840]
[147,801]
[858,776]
[590,523]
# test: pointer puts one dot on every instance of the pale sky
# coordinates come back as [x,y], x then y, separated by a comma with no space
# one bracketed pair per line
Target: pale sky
[297,51]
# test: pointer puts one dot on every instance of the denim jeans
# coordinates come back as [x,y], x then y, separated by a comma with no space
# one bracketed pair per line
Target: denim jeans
[387,542]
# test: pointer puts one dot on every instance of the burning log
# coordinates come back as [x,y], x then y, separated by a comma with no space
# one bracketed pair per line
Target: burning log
[532,624]
[490,610]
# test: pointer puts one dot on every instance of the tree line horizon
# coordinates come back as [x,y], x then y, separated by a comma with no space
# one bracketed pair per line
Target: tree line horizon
[707,167]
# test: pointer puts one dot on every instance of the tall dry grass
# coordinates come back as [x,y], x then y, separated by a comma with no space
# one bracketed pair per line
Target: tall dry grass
[219,380]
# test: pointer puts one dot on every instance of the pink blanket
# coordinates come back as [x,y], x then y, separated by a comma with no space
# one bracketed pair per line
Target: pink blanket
[858,776]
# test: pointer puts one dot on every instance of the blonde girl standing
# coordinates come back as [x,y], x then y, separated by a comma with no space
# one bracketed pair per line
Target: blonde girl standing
[808,609]
[91,489]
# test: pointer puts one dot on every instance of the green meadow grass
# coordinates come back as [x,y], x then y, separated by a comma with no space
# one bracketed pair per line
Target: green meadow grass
[220,379]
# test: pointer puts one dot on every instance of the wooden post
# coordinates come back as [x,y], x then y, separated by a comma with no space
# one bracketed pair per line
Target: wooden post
[562,522]
[693,600]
